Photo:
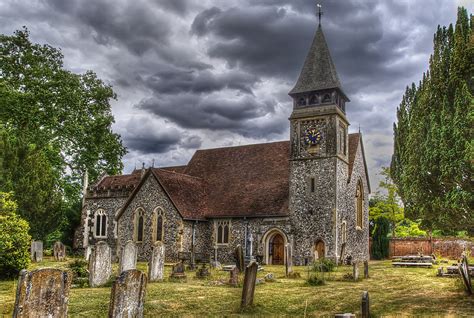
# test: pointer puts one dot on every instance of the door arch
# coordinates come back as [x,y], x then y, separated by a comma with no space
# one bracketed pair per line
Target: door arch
[274,242]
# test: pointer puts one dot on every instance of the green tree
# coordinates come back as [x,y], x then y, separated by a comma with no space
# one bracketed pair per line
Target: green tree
[14,238]
[433,136]
[61,123]
[380,240]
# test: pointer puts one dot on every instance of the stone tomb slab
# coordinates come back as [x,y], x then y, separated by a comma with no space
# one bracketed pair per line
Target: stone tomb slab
[42,293]
[127,298]
[100,264]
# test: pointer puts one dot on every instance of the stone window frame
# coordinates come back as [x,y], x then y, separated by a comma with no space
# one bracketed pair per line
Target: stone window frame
[158,212]
[139,212]
[98,223]
[342,140]
[359,205]
[343,232]
[222,224]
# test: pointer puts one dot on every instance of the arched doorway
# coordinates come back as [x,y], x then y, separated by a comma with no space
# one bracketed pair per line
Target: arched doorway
[274,241]
[319,249]
[277,249]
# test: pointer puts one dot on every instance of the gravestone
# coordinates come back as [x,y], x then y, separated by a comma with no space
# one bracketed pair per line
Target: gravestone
[366,269]
[239,258]
[100,264]
[466,278]
[249,285]
[156,265]
[128,259]
[127,298]
[365,305]
[178,271]
[203,272]
[288,259]
[355,270]
[87,252]
[345,315]
[37,251]
[42,293]
[234,277]
[59,251]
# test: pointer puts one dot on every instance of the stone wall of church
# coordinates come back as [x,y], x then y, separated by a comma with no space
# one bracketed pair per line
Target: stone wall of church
[149,197]
[312,214]
[357,239]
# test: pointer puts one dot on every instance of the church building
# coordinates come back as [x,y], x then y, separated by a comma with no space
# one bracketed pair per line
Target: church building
[310,192]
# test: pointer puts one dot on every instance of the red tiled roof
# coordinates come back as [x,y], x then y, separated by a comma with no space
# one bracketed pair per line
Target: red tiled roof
[242,181]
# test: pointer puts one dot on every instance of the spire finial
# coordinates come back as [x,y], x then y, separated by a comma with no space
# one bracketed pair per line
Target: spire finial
[320,13]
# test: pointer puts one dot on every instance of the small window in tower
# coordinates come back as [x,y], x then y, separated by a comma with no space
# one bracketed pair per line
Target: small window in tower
[314,100]
[326,98]
[312,185]
[302,101]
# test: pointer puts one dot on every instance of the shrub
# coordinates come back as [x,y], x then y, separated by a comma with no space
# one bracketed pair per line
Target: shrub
[80,273]
[14,239]
[323,265]
[314,280]
[380,238]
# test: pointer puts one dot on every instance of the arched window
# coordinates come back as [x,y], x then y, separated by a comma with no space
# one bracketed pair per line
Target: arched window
[344,232]
[139,225]
[314,100]
[158,224]
[359,204]
[326,98]
[223,232]
[100,224]
[302,101]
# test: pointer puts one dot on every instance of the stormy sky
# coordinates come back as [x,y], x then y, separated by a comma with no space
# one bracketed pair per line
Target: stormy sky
[200,74]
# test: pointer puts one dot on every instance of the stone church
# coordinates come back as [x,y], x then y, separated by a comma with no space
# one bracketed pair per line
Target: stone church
[310,191]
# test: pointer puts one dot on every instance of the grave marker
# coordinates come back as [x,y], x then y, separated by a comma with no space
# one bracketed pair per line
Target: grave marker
[59,251]
[234,277]
[365,305]
[239,258]
[37,251]
[355,270]
[366,269]
[128,259]
[100,264]
[464,271]
[178,271]
[156,265]
[288,259]
[42,293]
[249,284]
[127,298]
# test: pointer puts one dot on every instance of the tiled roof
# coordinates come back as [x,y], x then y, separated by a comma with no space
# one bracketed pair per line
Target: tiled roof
[318,72]
[242,181]
[179,169]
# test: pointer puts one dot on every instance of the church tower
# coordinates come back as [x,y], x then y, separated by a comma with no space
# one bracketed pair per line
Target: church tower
[318,155]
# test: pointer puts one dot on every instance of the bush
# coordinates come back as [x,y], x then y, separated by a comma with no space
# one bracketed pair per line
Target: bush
[323,265]
[80,273]
[14,239]
[314,280]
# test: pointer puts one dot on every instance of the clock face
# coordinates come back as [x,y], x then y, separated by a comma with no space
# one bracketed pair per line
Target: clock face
[312,136]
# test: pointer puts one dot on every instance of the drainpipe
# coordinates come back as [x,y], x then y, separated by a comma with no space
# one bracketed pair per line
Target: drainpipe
[193,239]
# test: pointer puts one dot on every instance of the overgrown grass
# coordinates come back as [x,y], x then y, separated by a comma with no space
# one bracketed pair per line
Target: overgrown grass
[393,292]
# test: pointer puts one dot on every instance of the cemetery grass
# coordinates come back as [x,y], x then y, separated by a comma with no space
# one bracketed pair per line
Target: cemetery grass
[393,292]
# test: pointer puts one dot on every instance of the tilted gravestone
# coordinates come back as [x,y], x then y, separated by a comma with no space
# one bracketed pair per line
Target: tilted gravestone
[127,298]
[128,259]
[234,277]
[366,269]
[239,258]
[355,270]
[156,265]
[37,251]
[365,305]
[59,251]
[100,264]
[288,259]
[465,275]
[42,293]
[249,284]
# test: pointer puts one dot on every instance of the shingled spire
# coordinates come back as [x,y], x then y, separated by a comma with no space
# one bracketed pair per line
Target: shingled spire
[319,74]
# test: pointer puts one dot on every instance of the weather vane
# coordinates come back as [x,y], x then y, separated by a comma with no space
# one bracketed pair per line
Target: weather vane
[320,13]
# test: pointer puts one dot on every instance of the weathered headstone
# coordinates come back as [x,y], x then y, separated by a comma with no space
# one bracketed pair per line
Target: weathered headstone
[37,251]
[128,259]
[156,265]
[355,270]
[466,278]
[234,277]
[100,264]
[239,258]
[127,298]
[87,252]
[365,305]
[366,269]
[42,293]
[345,315]
[203,272]
[249,284]
[178,271]
[59,251]
[288,259]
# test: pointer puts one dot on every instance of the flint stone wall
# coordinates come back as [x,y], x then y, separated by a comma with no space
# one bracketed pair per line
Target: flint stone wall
[42,293]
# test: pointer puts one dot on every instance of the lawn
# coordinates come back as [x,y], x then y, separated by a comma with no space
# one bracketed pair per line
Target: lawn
[393,292]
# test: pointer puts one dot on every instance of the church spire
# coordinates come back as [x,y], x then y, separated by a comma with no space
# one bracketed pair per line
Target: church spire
[318,72]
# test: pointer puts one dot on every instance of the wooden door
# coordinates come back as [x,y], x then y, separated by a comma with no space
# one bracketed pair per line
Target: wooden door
[278,250]
[320,249]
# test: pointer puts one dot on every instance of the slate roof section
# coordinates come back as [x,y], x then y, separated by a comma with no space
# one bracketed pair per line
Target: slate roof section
[318,72]
[241,181]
